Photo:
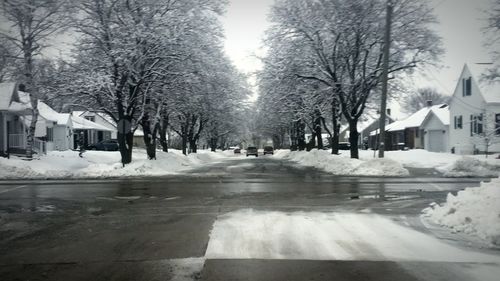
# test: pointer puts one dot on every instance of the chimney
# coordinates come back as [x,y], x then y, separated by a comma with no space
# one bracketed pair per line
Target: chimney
[429,103]
[389,111]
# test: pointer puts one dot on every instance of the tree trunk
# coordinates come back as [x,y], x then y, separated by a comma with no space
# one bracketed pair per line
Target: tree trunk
[125,142]
[301,135]
[353,138]
[193,147]
[317,130]
[149,137]
[213,144]
[184,143]
[163,134]
[336,127]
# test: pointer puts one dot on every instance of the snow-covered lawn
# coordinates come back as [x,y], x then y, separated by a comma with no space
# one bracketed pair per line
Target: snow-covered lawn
[250,234]
[102,164]
[451,165]
[474,211]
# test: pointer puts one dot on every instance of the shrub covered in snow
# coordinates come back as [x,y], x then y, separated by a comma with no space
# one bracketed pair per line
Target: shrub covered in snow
[474,211]
[471,167]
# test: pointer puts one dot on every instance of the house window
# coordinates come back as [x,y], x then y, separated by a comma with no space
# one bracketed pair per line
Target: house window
[50,134]
[476,124]
[497,124]
[458,122]
[467,86]
[90,118]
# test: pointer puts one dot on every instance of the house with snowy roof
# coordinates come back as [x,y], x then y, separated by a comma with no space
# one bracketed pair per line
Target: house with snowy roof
[475,113]
[100,118]
[436,129]
[409,132]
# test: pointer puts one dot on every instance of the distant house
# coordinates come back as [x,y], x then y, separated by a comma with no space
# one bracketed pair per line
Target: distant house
[475,113]
[59,128]
[436,129]
[100,118]
[409,132]
[91,131]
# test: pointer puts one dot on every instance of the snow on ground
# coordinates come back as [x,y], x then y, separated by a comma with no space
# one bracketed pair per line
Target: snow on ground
[102,164]
[471,167]
[345,166]
[451,165]
[250,234]
[474,211]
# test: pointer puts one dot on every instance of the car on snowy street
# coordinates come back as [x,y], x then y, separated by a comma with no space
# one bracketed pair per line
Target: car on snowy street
[237,150]
[252,150]
[268,150]
[105,145]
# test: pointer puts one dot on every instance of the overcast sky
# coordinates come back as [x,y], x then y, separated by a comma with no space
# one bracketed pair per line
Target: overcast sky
[460,27]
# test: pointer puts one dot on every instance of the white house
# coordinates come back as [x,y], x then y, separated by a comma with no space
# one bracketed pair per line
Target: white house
[59,128]
[475,113]
[409,132]
[12,127]
[91,131]
[436,129]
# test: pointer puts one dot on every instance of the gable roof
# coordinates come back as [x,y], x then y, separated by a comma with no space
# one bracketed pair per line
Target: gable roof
[80,123]
[7,91]
[416,119]
[489,90]
[50,114]
[103,115]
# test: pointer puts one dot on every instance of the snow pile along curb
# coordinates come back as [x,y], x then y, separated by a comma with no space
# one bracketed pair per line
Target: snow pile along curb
[474,211]
[101,164]
[470,167]
[342,166]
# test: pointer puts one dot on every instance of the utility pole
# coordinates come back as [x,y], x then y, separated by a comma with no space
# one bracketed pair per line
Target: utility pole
[385,67]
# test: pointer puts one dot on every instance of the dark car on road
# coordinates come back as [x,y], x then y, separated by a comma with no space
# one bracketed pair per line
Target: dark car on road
[237,150]
[268,150]
[344,146]
[106,145]
[252,150]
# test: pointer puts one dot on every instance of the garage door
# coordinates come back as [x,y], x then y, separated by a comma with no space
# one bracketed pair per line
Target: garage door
[436,141]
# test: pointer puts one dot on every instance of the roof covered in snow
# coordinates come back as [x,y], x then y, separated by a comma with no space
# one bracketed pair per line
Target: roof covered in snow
[80,123]
[442,113]
[103,115]
[50,114]
[417,118]
[7,90]
[20,102]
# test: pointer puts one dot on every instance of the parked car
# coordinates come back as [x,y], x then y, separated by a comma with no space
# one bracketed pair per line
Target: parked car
[268,150]
[107,145]
[252,150]
[237,150]
[344,146]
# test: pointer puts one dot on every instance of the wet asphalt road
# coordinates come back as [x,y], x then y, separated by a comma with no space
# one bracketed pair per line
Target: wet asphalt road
[146,229]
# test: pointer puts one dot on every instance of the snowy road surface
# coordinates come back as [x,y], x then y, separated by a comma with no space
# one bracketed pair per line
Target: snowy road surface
[240,219]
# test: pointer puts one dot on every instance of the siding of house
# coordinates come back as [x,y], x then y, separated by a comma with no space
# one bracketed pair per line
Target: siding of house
[460,138]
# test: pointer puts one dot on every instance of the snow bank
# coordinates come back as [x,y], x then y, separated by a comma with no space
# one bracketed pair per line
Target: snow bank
[341,165]
[100,164]
[416,158]
[475,211]
[470,167]
[249,234]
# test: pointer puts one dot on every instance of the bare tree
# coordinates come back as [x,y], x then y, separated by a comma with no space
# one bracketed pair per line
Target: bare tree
[28,26]
[342,43]
[492,31]
[414,102]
